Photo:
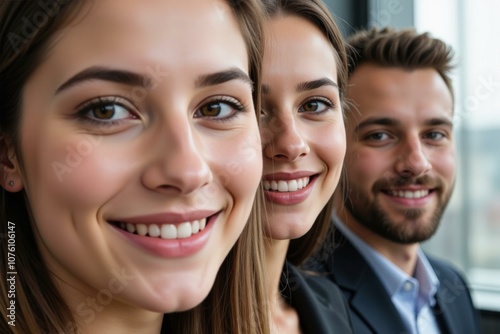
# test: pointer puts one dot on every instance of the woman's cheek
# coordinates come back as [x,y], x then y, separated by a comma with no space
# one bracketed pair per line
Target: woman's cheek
[84,171]
[240,165]
[332,142]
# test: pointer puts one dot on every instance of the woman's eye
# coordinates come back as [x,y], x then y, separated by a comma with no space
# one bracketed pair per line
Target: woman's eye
[108,112]
[105,111]
[214,110]
[315,106]
[219,110]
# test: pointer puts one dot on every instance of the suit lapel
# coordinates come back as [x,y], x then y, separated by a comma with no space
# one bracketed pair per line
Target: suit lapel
[443,311]
[367,296]
[443,318]
[304,301]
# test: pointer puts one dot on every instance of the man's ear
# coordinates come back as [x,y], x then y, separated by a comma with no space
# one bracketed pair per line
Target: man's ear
[10,174]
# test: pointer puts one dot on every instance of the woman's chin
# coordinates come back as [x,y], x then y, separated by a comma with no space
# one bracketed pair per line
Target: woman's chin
[180,295]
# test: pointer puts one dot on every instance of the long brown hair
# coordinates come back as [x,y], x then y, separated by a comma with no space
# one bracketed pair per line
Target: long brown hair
[235,303]
[315,12]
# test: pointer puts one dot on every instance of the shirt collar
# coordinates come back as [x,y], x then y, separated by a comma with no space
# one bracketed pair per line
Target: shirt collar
[429,283]
[394,277]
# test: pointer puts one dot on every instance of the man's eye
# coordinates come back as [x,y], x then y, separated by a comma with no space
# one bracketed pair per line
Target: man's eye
[434,135]
[378,136]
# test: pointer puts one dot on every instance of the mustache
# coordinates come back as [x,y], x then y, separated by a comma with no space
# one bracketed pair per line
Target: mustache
[401,181]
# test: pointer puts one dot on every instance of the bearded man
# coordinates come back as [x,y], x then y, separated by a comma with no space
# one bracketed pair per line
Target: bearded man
[399,175]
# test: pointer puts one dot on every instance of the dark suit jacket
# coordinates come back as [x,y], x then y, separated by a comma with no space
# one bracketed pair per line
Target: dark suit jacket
[319,303]
[372,310]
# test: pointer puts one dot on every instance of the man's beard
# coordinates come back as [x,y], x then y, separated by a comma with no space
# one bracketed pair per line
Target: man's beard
[413,228]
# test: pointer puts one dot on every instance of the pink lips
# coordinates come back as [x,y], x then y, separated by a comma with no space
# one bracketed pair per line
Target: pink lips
[290,197]
[170,248]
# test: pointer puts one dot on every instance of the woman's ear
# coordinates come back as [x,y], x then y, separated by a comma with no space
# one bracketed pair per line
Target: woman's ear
[10,176]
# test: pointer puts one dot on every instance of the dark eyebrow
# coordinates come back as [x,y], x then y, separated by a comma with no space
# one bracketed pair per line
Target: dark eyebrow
[107,74]
[439,121]
[309,85]
[304,86]
[386,121]
[217,78]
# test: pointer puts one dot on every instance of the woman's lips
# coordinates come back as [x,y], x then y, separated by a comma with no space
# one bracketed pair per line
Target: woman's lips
[168,240]
[165,231]
[288,191]
[286,185]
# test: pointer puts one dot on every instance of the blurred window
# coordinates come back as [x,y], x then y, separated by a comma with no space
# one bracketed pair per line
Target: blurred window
[470,232]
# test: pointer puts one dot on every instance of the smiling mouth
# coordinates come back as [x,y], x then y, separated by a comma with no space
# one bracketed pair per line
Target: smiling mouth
[411,194]
[286,185]
[164,231]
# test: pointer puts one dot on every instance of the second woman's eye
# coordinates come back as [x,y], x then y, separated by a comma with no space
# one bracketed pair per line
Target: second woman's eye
[219,109]
[214,109]
[107,112]
[316,105]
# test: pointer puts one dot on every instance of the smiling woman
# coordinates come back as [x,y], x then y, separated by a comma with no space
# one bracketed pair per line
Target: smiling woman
[122,149]
[304,143]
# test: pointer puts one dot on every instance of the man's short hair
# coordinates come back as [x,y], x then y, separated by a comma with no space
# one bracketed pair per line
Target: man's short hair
[405,49]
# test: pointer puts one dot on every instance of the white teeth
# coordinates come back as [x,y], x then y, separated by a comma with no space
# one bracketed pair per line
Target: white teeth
[142,229]
[130,228]
[286,186]
[154,231]
[195,227]
[166,231]
[292,185]
[410,194]
[184,230]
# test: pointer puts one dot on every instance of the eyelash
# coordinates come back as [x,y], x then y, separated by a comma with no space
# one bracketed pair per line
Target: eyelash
[101,102]
[232,102]
[330,105]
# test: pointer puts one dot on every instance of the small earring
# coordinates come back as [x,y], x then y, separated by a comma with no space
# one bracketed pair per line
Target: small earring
[11,183]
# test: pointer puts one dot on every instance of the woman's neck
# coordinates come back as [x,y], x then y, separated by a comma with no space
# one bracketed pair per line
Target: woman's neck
[275,255]
[284,318]
[123,319]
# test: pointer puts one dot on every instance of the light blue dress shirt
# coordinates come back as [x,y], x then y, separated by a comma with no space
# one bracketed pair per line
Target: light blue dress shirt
[414,296]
